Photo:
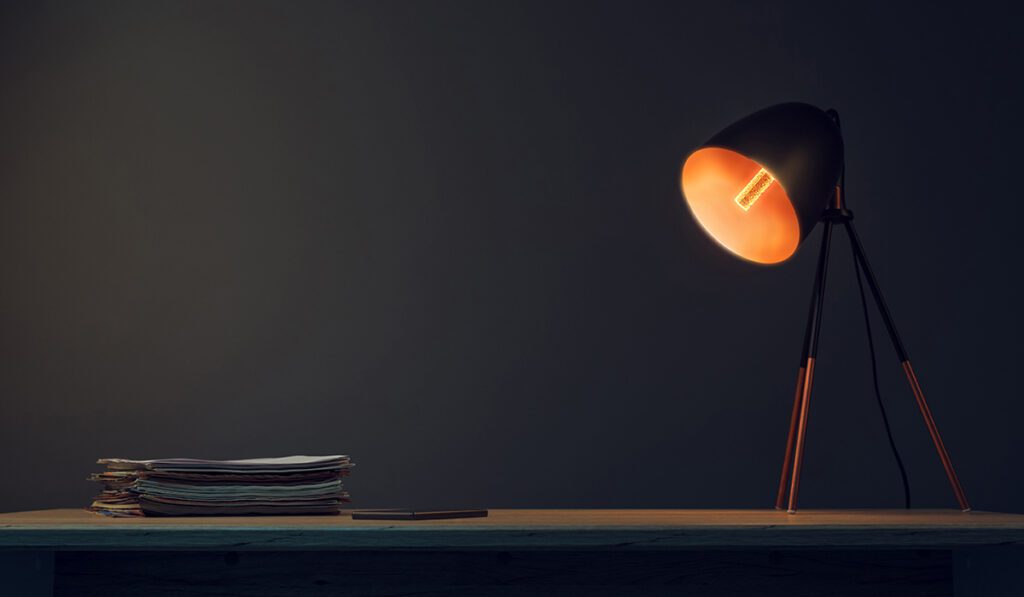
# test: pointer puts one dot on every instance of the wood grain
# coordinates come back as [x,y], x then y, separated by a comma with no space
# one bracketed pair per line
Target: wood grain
[622,530]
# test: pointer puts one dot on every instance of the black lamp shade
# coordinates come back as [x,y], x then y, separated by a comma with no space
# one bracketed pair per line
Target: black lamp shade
[760,185]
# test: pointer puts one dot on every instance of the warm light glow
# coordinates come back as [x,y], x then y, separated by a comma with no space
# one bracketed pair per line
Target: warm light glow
[754,189]
[714,180]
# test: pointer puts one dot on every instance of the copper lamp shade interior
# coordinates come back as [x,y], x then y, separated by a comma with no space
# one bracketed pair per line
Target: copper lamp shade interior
[759,225]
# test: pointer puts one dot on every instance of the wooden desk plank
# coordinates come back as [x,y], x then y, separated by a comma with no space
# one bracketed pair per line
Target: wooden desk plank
[521,529]
[604,573]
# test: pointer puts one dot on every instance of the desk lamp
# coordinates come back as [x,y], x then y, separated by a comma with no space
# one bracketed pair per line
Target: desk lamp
[757,188]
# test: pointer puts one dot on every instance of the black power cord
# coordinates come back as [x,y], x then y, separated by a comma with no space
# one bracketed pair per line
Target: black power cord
[874,374]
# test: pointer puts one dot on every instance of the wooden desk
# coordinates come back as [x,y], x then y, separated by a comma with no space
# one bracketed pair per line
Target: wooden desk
[513,552]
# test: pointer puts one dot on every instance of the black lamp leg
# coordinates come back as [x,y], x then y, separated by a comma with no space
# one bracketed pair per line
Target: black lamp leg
[811,344]
[915,386]
[801,377]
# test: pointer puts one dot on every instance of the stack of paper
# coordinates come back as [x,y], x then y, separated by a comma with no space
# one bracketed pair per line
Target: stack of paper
[192,487]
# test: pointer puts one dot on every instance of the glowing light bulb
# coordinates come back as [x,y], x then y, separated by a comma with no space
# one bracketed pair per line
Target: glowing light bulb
[754,189]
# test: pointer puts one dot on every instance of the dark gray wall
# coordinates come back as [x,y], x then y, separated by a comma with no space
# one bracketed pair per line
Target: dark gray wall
[447,239]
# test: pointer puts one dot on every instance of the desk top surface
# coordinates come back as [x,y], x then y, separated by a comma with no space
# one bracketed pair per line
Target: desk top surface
[73,529]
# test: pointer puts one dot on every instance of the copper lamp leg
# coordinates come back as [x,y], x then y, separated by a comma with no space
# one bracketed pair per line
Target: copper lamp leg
[780,497]
[933,430]
[801,435]
[806,383]
[801,378]
[890,325]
